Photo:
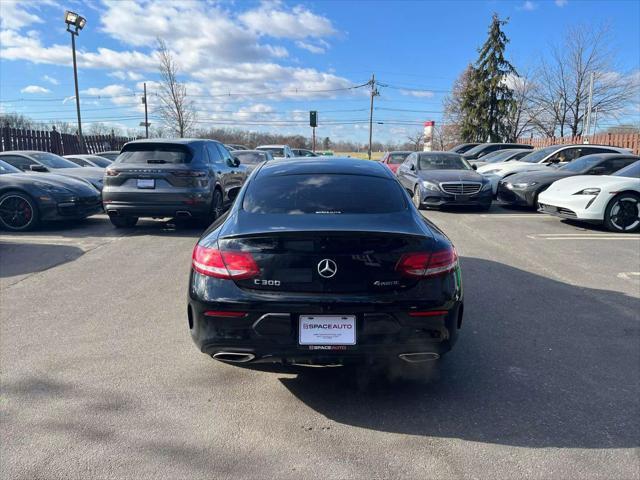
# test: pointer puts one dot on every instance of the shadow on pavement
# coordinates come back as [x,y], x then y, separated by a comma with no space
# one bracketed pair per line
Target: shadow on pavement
[24,258]
[539,363]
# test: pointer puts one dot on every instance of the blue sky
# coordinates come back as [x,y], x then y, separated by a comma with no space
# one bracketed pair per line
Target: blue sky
[298,49]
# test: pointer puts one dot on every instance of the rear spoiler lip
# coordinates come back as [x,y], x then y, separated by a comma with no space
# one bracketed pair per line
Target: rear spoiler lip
[321,232]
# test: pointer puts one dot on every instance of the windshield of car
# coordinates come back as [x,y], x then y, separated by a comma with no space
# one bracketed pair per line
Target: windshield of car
[631,171]
[442,161]
[538,155]
[397,158]
[581,164]
[99,161]
[499,156]
[52,161]
[275,151]
[155,153]
[6,168]
[323,194]
[250,158]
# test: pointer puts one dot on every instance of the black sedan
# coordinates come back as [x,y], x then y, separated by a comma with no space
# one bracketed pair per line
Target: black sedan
[324,262]
[523,188]
[479,151]
[44,162]
[27,199]
[438,179]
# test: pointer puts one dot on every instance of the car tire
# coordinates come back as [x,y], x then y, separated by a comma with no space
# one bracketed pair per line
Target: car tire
[217,206]
[622,214]
[415,198]
[18,212]
[123,222]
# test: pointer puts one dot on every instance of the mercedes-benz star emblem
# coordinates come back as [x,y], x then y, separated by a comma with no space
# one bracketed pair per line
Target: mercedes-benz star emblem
[327,268]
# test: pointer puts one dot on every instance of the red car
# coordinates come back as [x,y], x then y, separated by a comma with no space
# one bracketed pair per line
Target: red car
[394,159]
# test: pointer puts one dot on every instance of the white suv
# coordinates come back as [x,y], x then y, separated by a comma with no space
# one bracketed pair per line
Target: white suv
[277,151]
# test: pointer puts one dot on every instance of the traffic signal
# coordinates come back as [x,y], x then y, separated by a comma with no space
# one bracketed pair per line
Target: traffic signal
[313,118]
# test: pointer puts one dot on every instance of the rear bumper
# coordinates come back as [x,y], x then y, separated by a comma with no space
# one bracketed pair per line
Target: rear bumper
[269,328]
[156,203]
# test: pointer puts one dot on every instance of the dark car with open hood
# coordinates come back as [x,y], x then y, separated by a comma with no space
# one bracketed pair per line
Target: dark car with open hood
[324,262]
[26,199]
[440,179]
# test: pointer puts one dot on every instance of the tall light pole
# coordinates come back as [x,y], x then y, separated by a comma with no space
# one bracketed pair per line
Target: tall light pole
[77,22]
[374,93]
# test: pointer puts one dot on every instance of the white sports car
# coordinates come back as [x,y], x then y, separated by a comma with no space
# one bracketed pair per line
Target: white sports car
[542,160]
[610,199]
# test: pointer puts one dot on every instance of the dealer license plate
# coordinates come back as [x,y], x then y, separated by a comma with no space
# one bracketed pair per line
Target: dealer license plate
[146,183]
[462,198]
[327,330]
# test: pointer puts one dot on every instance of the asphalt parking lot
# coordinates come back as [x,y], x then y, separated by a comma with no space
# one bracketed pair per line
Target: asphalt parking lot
[100,378]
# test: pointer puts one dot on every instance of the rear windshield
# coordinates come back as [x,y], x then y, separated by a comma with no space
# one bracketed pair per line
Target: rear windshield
[397,158]
[250,158]
[275,151]
[53,161]
[99,161]
[155,153]
[323,194]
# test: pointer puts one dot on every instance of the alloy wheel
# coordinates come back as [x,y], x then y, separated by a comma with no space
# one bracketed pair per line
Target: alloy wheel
[625,214]
[16,212]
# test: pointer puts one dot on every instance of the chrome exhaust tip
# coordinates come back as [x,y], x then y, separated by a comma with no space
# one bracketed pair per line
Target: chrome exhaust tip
[234,357]
[419,357]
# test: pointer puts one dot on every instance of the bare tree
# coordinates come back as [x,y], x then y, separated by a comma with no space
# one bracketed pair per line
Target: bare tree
[452,106]
[416,140]
[176,111]
[523,114]
[563,82]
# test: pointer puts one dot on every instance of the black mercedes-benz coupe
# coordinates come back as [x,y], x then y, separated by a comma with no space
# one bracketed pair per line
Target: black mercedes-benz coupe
[26,199]
[324,261]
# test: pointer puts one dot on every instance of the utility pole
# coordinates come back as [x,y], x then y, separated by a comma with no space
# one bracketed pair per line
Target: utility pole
[587,122]
[595,120]
[314,140]
[146,118]
[374,93]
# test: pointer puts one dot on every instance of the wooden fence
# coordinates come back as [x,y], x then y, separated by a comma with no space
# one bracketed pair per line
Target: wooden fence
[623,140]
[58,143]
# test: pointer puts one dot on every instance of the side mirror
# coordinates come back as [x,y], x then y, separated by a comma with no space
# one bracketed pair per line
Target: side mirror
[412,167]
[38,168]
[233,162]
[554,160]
[474,166]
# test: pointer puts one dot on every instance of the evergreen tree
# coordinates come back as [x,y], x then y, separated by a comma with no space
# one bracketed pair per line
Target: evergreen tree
[487,100]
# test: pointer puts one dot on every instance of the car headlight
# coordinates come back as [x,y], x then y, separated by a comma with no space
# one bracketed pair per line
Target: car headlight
[588,191]
[52,188]
[430,186]
[489,172]
[524,184]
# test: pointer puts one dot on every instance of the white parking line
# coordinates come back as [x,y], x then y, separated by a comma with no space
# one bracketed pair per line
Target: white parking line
[629,275]
[507,216]
[584,236]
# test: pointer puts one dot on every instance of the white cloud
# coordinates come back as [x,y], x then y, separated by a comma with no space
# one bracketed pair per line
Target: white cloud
[417,93]
[529,6]
[271,19]
[561,3]
[319,47]
[120,75]
[35,89]
[51,80]
[15,14]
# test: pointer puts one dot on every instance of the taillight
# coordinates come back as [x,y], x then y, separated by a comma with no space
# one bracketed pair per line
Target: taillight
[428,264]
[189,173]
[111,173]
[230,265]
